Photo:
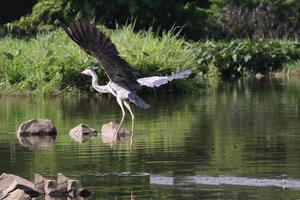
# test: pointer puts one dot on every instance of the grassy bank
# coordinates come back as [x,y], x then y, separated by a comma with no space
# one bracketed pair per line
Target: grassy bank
[51,63]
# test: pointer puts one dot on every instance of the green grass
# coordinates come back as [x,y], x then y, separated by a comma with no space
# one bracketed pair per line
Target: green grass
[51,63]
[292,68]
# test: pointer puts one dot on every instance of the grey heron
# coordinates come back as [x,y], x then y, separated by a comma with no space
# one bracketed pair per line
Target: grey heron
[122,84]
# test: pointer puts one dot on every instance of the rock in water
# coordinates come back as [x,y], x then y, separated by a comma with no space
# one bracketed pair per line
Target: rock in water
[73,188]
[39,127]
[51,188]
[18,195]
[39,182]
[10,183]
[67,186]
[108,134]
[111,127]
[82,133]
[36,142]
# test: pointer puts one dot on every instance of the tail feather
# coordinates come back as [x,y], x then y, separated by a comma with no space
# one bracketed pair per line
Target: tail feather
[138,101]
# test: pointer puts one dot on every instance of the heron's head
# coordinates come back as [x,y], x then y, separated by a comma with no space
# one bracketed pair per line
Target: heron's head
[88,72]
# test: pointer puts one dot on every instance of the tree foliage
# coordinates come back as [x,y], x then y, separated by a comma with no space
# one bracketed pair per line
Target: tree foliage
[198,19]
[258,19]
[47,14]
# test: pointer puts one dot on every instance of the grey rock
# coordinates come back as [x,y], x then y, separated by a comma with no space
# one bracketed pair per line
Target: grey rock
[51,188]
[111,128]
[110,138]
[39,127]
[69,188]
[39,182]
[36,141]
[82,133]
[73,188]
[10,183]
[62,183]
[18,195]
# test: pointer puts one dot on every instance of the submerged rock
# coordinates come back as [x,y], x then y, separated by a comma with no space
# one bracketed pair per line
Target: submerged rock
[40,127]
[9,183]
[82,133]
[36,142]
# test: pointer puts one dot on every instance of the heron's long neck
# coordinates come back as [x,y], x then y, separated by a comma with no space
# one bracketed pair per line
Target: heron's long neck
[96,86]
[94,79]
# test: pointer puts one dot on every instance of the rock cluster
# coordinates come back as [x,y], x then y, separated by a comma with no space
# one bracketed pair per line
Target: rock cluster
[15,187]
[41,133]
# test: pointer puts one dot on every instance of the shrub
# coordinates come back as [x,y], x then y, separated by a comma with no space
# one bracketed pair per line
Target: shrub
[263,21]
[239,57]
[161,15]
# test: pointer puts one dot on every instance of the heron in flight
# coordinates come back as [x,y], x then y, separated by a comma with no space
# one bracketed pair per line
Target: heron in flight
[122,84]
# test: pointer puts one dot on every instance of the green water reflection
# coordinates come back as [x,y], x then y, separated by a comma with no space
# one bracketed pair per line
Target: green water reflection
[248,129]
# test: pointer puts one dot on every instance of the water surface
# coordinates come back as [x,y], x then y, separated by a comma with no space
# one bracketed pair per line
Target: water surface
[247,129]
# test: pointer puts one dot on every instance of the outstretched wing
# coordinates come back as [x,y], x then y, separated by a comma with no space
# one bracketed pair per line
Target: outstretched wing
[96,43]
[156,81]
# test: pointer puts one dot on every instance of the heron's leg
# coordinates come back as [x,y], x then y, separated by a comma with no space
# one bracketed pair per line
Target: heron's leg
[120,102]
[126,103]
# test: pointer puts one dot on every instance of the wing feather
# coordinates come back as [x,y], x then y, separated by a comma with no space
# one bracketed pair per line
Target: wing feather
[156,81]
[96,43]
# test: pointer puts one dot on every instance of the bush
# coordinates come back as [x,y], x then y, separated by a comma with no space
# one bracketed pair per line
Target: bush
[238,57]
[161,15]
[263,21]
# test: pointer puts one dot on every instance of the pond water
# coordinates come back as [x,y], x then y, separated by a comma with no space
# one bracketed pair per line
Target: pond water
[223,145]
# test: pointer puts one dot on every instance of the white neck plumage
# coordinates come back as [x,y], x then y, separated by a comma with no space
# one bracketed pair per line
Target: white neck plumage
[96,86]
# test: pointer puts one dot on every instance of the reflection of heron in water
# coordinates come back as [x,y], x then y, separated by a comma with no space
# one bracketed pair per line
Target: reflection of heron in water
[123,84]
